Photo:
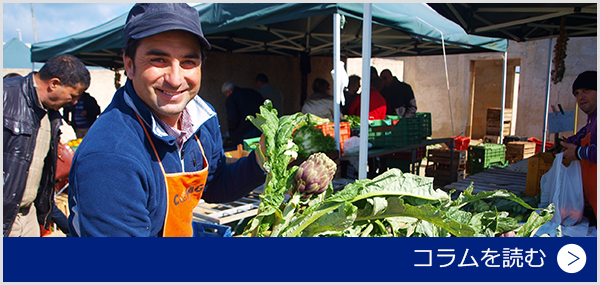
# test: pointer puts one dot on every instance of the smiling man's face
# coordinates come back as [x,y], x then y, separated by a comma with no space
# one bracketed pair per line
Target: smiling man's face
[167,72]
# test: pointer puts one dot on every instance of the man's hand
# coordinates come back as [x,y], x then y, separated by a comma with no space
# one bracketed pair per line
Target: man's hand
[569,151]
[260,153]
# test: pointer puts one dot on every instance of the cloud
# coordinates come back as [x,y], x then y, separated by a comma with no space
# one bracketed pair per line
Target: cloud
[56,20]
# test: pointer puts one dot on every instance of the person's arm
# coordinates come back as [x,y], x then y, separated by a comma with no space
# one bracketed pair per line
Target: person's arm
[109,196]
[229,182]
[587,153]
[93,109]
[411,105]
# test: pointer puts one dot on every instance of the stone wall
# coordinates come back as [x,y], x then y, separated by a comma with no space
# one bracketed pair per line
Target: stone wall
[426,75]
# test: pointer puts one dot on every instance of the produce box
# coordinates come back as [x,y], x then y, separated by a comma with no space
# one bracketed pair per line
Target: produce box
[538,144]
[481,156]
[329,130]
[250,144]
[462,143]
[441,174]
[443,156]
[518,150]
[405,132]
[405,165]
[537,166]
[420,153]
[210,230]
[233,155]
[426,118]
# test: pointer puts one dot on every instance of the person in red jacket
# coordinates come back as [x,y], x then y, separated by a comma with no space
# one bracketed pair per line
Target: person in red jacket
[377,104]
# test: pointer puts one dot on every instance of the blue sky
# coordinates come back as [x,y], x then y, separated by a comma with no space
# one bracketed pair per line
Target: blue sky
[56,20]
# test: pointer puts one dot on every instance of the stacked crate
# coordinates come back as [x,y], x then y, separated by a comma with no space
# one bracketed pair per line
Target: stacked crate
[493,122]
[518,150]
[395,132]
[438,166]
[484,155]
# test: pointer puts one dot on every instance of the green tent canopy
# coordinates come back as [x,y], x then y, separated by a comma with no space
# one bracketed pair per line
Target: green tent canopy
[17,54]
[292,29]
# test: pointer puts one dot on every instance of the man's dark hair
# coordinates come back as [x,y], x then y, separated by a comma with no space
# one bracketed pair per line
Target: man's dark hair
[68,68]
[132,45]
[376,82]
[353,79]
[261,77]
[320,85]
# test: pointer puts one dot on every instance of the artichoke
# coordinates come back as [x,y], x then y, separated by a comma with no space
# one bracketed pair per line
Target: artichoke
[314,175]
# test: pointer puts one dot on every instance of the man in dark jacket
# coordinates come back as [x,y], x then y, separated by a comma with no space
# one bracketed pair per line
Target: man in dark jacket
[398,95]
[83,114]
[31,135]
[240,103]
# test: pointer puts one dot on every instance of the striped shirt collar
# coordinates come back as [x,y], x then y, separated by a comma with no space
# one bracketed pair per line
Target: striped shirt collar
[187,128]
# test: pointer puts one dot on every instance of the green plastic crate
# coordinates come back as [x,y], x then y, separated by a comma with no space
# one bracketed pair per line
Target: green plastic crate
[384,134]
[426,126]
[381,133]
[481,156]
[250,144]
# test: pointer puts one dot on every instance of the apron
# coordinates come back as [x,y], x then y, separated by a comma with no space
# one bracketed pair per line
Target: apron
[589,177]
[184,191]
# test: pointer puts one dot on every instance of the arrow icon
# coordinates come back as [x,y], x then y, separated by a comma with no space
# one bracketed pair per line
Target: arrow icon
[573,260]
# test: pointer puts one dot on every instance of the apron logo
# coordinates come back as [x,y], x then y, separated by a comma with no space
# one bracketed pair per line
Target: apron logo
[186,194]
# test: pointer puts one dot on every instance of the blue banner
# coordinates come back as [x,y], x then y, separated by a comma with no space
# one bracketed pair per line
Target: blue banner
[540,259]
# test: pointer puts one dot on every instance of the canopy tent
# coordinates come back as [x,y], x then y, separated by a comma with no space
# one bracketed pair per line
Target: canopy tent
[524,22]
[296,29]
[399,29]
[17,54]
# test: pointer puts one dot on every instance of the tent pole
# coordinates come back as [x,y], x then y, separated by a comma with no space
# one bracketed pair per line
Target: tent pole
[365,96]
[503,96]
[336,79]
[547,94]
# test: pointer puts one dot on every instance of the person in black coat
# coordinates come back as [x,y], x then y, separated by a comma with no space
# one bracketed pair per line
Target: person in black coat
[398,95]
[240,103]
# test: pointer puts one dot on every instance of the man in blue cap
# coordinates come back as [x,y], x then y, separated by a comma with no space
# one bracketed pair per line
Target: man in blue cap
[156,150]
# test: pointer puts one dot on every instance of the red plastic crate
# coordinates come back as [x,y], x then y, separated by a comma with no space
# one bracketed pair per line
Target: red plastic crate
[329,130]
[462,143]
[538,144]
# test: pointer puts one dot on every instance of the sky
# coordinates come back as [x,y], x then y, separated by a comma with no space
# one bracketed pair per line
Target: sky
[56,20]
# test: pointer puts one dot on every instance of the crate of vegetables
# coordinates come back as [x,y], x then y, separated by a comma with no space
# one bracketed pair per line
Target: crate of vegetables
[329,130]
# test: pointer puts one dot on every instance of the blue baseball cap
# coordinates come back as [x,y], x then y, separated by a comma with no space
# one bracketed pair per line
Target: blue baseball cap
[148,19]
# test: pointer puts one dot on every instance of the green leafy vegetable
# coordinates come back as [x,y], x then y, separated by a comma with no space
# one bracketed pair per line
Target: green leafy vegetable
[391,204]
[311,140]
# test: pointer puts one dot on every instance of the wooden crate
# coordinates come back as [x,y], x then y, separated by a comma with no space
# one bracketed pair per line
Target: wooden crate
[442,176]
[537,166]
[443,156]
[493,128]
[493,114]
[518,150]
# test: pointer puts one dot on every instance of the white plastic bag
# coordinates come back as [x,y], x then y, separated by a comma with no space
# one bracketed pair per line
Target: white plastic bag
[352,145]
[563,187]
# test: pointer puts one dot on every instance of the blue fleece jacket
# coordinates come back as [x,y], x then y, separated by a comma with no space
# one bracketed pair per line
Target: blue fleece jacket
[116,186]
